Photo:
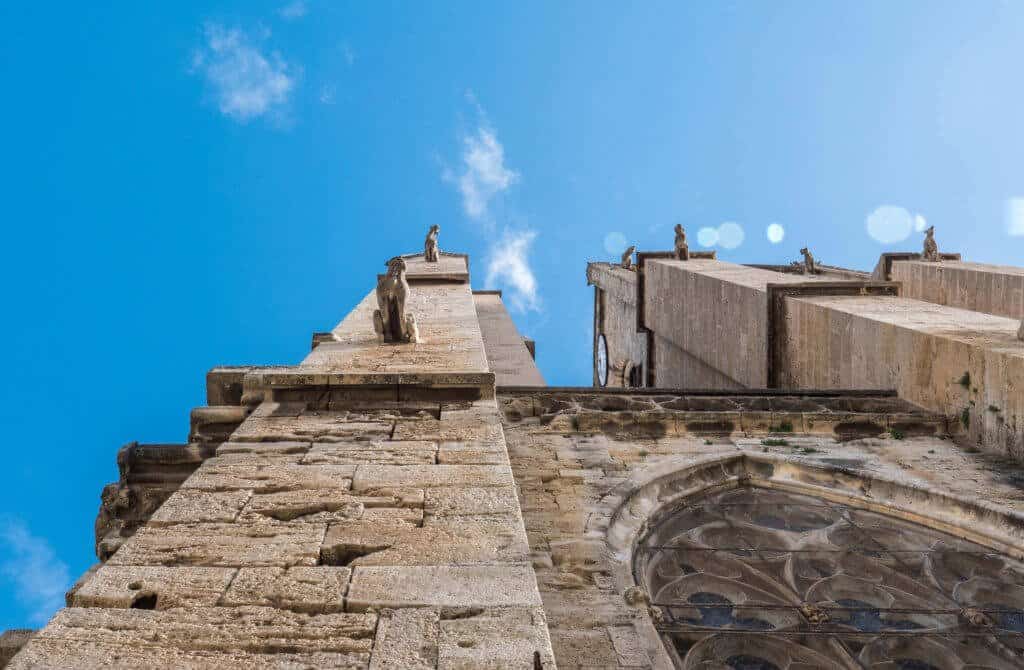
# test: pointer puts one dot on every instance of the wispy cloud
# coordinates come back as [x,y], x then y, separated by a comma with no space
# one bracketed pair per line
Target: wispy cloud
[508,264]
[484,174]
[293,10]
[246,82]
[29,564]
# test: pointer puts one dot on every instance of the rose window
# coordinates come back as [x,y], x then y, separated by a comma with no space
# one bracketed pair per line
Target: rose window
[758,579]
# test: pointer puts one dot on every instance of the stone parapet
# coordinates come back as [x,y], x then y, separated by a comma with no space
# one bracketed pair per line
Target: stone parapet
[978,287]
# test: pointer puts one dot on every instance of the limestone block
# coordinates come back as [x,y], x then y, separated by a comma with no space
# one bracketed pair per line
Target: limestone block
[199,637]
[320,426]
[265,448]
[473,500]
[314,590]
[446,586]
[472,453]
[425,476]
[218,475]
[152,587]
[406,640]
[308,505]
[507,639]
[483,429]
[191,506]
[441,541]
[224,544]
[383,452]
[628,646]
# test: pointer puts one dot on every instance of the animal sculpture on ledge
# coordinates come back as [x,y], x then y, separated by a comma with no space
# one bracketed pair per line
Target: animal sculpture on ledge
[430,249]
[390,319]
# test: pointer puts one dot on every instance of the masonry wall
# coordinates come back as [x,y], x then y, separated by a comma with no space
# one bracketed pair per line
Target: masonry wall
[363,515]
[717,313]
[615,317]
[991,289]
[966,365]
[675,368]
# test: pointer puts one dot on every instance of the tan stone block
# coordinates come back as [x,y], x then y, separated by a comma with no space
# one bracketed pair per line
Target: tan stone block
[450,430]
[216,475]
[371,476]
[406,640]
[377,451]
[628,646]
[473,500]
[223,544]
[314,590]
[446,586]
[508,639]
[472,453]
[264,448]
[441,541]
[199,637]
[306,505]
[192,506]
[153,587]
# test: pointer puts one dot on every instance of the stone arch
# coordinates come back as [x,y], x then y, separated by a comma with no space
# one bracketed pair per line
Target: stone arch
[641,505]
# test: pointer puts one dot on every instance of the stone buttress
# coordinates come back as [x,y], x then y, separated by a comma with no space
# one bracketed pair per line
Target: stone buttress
[362,515]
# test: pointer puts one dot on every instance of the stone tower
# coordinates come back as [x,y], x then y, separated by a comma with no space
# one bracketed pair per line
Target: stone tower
[432,504]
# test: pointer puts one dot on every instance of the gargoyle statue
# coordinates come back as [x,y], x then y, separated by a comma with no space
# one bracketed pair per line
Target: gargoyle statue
[810,267]
[931,249]
[390,320]
[682,248]
[430,250]
[627,258]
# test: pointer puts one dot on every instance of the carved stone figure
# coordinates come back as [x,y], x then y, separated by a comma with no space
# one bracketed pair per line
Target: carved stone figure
[627,258]
[931,249]
[810,267]
[682,248]
[390,319]
[430,250]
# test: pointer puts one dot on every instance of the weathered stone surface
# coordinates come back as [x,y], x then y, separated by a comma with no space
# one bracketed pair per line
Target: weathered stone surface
[426,476]
[200,637]
[470,500]
[445,586]
[377,451]
[219,544]
[192,506]
[153,587]
[314,590]
[268,476]
[462,540]
[507,639]
[406,640]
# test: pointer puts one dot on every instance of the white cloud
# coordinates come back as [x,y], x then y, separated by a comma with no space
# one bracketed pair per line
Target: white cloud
[729,235]
[245,82]
[30,564]
[509,265]
[1015,216]
[293,10]
[484,174]
[775,233]
[920,223]
[889,224]
[615,243]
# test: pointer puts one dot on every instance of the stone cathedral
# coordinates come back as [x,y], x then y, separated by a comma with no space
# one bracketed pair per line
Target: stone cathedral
[775,468]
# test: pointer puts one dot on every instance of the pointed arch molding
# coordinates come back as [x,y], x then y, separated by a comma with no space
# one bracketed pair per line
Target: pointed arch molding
[627,512]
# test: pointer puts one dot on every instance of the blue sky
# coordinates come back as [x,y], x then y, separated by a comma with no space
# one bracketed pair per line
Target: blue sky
[194,184]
